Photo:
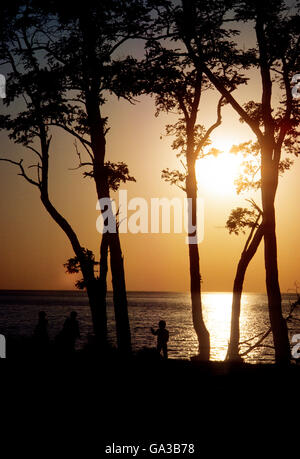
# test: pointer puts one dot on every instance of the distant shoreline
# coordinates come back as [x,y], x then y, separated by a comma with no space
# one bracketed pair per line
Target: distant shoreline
[128,291]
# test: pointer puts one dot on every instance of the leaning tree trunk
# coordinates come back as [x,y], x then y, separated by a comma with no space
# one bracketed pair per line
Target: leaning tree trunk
[94,288]
[246,257]
[269,173]
[195,277]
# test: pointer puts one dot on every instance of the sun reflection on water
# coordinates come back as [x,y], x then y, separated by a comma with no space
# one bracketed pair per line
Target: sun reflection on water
[147,310]
[217,316]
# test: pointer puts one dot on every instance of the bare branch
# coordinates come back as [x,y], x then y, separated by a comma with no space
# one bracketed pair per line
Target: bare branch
[81,164]
[23,173]
[254,227]
[212,128]
[39,168]
[263,335]
[225,92]
[253,204]
[258,343]
[71,131]
[118,44]
[35,151]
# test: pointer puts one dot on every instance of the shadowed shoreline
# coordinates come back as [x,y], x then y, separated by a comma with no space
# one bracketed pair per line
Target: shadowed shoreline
[147,360]
[146,398]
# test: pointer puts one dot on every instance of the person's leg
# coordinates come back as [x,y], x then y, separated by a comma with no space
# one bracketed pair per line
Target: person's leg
[165,351]
[159,347]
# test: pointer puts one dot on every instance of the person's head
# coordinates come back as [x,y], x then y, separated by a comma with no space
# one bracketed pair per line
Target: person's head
[42,315]
[162,324]
[73,315]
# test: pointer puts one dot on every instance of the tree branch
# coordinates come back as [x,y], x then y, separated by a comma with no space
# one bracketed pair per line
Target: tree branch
[71,131]
[23,173]
[183,108]
[212,128]
[35,151]
[285,121]
[222,89]
[81,164]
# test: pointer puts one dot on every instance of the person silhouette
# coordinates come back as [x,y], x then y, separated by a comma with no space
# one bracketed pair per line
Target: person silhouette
[40,335]
[70,332]
[162,338]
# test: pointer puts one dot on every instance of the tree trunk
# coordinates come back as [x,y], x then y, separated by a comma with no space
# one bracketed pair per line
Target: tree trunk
[278,324]
[97,303]
[198,322]
[269,174]
[117,269]
[195,277]
[96,290]
[119,294]
[246,257]
[97,132]
[112,239]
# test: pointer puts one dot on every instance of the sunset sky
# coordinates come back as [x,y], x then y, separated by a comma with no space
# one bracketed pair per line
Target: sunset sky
[33,248]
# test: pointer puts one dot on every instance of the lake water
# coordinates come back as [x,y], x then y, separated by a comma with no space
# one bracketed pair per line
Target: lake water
[19,310]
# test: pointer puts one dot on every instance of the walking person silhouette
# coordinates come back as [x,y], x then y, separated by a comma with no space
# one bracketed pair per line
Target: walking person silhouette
[162,338]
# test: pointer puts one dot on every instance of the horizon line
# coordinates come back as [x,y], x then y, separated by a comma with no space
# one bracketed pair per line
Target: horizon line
[132,291]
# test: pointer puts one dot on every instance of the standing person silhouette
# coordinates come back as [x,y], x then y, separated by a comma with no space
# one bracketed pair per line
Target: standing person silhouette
[162,338]
[70,332]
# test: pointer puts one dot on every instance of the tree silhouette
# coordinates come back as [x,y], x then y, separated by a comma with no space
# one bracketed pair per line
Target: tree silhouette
[35,88]
[41,45]
[184,96]
[83,49]
[178,86]
[238,222]
[277,62]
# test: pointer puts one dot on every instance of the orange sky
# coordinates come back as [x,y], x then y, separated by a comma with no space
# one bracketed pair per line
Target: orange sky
[33,248]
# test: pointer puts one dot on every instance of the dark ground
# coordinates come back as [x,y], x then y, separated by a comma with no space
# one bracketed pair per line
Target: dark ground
[78,405]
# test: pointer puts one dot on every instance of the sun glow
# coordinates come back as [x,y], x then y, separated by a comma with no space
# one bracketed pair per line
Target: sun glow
[218,173]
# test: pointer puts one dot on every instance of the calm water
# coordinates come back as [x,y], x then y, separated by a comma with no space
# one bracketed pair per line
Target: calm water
[18,315]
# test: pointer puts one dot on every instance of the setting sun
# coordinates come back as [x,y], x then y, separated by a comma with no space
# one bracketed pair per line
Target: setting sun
[218,173]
